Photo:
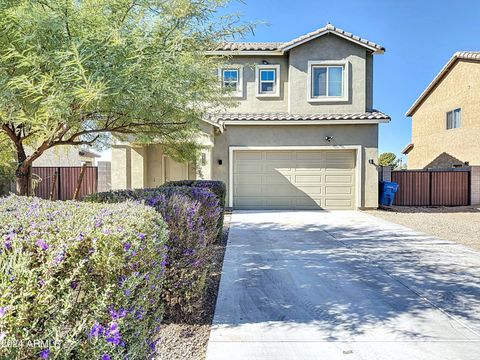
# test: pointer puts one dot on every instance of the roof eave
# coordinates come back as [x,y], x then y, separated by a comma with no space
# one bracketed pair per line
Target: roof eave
[443,72]
[245,53]
[306,122]
[407,149]
[374,49]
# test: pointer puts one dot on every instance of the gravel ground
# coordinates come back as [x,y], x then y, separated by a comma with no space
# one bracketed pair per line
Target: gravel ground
[459,224]
[189,341]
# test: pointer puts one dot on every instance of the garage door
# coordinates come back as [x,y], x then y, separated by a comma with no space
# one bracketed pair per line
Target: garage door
[294,179]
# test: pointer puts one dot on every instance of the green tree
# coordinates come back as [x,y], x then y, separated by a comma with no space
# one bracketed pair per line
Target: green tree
[389,159]
[73,72]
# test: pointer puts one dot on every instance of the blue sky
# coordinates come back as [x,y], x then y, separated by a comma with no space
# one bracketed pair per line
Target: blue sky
[420,36]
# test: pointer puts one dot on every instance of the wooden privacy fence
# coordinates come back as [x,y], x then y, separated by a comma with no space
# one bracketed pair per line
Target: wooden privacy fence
[432,187]
[59,183]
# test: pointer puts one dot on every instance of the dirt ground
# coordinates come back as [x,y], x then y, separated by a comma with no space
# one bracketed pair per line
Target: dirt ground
[459,224]
[189,341]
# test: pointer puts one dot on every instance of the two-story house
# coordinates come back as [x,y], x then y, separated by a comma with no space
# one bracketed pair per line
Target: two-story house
[446,117]
[304,135]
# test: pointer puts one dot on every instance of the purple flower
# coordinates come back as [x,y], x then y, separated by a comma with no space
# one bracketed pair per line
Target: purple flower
[44,354]
[127,246]
[121,313]
[141,236]
[74,285]
[139,314]
[8,240]
[42,244]
[80,236]
[105,357]
[59,258]
[121,280]
[41,282]
[96,330]
[127,292]
[113,334]
[3,311]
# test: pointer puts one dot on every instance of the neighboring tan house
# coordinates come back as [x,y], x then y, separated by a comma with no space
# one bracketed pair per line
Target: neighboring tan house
[67,155]
[304,136]
[446,117]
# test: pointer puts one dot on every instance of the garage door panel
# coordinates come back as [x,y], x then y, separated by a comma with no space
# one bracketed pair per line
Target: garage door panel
[308,204]
[279,155]
[248,190]
[337,190]
[279,203]
[248,155]
[294,180]
[338,203]
[246,167]
[248,179]
[277,167]
[310,190]
[275,191]
[278,179]
[309,166]
[309,155]
[248,203]
[339,179]
[308,179]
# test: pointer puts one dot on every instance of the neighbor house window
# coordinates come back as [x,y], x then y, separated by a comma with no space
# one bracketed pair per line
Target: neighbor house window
[327,81]
[267,80]
[231,78]
[453,119]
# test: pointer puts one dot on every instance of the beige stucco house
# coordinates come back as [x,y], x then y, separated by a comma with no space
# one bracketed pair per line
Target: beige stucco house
[66,155]
[446,117]
[303,136]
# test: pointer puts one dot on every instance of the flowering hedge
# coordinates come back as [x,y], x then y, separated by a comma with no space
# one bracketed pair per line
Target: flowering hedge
[217,187]
[192,215]
[79,281]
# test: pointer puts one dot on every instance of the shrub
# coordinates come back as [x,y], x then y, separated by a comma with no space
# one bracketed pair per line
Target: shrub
[82,281]
[217,187]
[192,215]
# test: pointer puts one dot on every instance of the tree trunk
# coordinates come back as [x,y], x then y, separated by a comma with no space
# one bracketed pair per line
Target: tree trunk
[23,181]
[23,172]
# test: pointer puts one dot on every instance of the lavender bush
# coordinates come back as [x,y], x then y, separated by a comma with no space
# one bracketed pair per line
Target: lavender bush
[217,187]
[80,281]
[192,215]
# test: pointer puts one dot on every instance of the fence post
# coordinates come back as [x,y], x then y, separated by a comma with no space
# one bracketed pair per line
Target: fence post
[52,187]
[59,183]
[430,188]
[475,185]
[79,182]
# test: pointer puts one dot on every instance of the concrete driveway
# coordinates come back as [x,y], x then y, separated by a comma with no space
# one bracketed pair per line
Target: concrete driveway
[343,285]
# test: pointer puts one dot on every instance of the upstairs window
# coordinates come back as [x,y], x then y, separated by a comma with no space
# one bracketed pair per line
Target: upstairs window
[267,80]
[232,80]
[453,119]
[327,81]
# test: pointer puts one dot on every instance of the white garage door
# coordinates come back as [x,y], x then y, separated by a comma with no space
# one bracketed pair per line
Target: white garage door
[277,179]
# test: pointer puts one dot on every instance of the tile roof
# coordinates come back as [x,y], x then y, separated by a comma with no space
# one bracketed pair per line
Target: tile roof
[468,55]
[250,46]
[329,28]
[283,47]
[459,55]
[407,148]
[231,117]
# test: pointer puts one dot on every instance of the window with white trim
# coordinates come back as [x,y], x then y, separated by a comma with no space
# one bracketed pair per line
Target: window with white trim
[267,80]
[454,119]
[231,78]
[327,81]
